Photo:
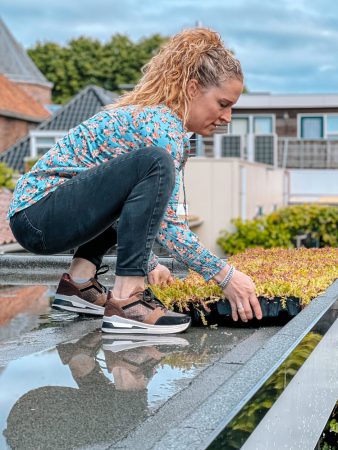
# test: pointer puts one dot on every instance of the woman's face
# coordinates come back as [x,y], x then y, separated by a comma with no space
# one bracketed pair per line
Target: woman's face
[212,106]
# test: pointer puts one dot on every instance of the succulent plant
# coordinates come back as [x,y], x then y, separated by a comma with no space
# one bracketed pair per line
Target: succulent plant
[284,273]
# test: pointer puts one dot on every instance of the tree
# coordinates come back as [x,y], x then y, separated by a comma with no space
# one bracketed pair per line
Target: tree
[6,176]
[85,61]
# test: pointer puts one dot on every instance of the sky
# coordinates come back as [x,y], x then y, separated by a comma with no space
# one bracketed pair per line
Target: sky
[285,46]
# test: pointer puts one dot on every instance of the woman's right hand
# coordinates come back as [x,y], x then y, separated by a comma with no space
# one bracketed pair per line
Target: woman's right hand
[240,292]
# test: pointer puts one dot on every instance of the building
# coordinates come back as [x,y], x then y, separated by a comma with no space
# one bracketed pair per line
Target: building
[19,113]
[24,91]
[84,105]
[298,132]
[279,149]
[17,66]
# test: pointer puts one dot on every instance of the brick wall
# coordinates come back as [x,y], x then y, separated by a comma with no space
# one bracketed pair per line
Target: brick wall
[41,94]
[11,130]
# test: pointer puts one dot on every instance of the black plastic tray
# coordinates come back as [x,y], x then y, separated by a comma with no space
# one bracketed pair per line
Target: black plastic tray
[220,312]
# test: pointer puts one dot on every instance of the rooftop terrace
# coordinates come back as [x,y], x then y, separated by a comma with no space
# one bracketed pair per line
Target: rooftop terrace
[66,386]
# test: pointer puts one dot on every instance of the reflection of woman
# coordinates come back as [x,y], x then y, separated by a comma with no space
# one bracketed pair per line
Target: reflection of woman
[98,411]
[127,162]
[101,410]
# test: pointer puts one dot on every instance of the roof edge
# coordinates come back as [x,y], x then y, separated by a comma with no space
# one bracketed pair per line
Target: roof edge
[81,93]
[28,118]
[48,84]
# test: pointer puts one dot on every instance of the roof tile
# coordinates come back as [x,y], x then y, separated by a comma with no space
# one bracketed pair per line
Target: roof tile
[84,105]
[14,61]
[14,100]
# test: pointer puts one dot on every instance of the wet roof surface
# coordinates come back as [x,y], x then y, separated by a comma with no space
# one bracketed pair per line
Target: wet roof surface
[65,385]
[96,389]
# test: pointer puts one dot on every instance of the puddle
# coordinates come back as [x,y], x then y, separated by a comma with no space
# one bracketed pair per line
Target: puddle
[93,391]
[25,308]
[329,437]
[237,432]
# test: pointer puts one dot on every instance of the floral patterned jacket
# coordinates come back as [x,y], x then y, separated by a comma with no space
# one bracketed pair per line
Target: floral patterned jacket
[107,135]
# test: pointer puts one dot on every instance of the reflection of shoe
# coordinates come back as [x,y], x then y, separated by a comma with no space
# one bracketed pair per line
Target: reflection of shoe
[88,344]
[86,298]
[118,343]
[142,313]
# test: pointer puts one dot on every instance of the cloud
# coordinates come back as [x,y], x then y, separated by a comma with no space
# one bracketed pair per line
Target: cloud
[284,46]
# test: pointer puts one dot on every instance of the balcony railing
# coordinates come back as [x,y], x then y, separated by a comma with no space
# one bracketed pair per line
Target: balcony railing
[307,154]
[282,152]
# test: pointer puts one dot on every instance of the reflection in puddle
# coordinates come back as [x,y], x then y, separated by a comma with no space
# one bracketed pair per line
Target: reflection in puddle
[27,308]
[238,430]
[20,307]
[329,437]
[94,389]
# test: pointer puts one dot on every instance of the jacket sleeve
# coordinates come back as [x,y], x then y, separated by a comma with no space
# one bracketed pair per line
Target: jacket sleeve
[176,237]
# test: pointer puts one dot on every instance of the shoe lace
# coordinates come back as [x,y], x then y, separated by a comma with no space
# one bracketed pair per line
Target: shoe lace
[100,271]
[150,297]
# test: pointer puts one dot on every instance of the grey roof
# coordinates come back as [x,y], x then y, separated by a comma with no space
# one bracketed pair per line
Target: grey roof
[286,101]
[15,64]
[84,105]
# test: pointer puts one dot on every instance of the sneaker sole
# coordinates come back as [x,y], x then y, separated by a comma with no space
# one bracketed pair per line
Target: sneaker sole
[120,325]
[76,304]
[118,343]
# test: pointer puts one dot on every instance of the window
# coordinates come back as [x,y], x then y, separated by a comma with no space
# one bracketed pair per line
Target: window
[311,127]
[259,211]
[319,127]
[239,125]
[255,138]
[332,127]
[262,125]
[43,144]
[256,124]
[42,141]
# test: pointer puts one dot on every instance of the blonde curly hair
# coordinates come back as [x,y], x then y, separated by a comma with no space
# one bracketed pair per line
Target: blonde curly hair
[196,53]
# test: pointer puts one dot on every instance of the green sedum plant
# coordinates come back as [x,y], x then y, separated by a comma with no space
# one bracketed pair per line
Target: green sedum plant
[280,228]
[284,273]
[301,273]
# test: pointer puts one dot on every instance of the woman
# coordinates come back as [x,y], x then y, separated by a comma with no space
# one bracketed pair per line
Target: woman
[126,163]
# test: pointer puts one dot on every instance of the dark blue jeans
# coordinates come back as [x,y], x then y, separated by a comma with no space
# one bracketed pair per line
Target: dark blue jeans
[134,187]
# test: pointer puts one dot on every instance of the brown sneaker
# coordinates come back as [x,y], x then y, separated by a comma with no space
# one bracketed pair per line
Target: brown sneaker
[142,313]
[85,298]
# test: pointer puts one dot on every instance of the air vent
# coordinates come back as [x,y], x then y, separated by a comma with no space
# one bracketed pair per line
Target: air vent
[231,146]
[265,149]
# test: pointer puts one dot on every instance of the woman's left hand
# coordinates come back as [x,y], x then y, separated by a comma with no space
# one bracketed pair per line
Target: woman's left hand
[160,275]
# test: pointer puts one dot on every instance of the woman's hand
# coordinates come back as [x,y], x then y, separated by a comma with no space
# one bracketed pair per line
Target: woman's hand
[240,292]
[160,275]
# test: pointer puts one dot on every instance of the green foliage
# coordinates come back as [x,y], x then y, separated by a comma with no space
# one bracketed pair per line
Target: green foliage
[6,176]
[329,437]
[280,228]
[301,273]
[283,273]
[191,289]
[85,61]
